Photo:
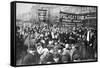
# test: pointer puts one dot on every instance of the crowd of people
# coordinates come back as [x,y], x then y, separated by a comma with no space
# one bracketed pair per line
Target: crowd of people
[45,44]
